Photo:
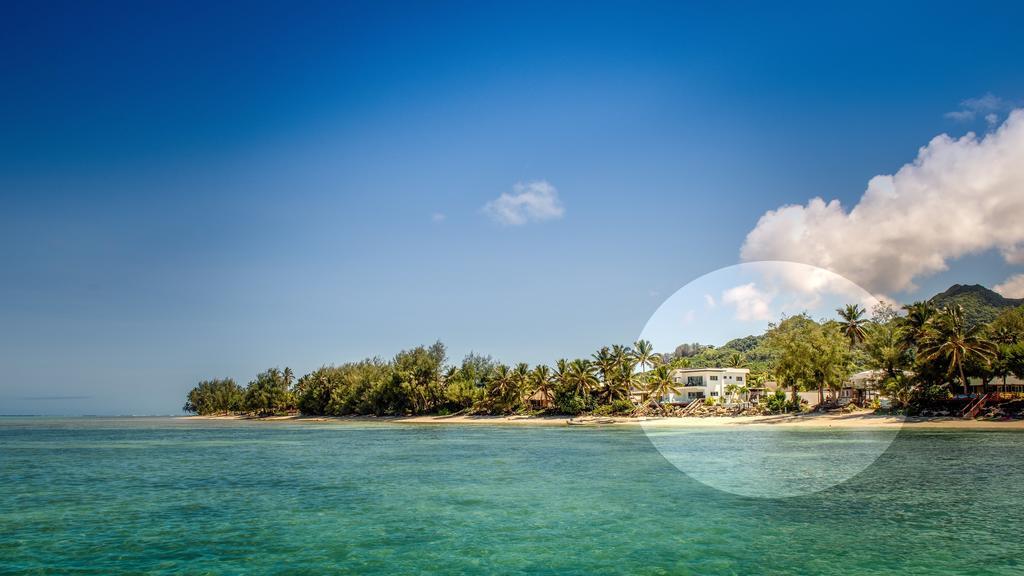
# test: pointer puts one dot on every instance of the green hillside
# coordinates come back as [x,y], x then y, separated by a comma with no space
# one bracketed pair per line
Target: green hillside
[980,304]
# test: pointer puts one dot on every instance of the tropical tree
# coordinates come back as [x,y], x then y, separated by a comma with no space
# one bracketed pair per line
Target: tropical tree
[914,326]
[606,362]
[955,344]
[581,378]
[643,354]
[502,386]
[884,345]
[217,396]
[269,393]
[853,323]
[660,384]
[540,380]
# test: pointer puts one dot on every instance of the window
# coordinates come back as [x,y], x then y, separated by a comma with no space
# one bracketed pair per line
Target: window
[714,392]
[739,378]
[694,395]
[694,380]
[714,377]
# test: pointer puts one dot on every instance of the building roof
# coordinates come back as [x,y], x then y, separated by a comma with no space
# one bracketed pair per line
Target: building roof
[540,395]
[696,370]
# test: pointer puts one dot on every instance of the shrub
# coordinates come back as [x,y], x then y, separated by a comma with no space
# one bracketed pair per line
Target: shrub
[622,406]
[778,403]
[574,404]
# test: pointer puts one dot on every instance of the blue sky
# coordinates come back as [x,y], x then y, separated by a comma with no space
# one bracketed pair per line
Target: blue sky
[193,191]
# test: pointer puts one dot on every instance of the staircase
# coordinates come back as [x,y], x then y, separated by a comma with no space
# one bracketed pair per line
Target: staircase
[972,409]
[692,406]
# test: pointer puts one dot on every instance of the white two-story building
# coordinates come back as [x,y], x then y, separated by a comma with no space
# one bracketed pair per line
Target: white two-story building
[699,383]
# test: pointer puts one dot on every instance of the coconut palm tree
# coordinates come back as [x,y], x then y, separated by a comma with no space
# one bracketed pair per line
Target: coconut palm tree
[914,326]
[606,362]
[1003,337]
[731,390]
[853,323]
[581,378]
[952,340]
[560,375]
[643,354]
[540,380]
[624,379]
[660,384]
[501,386]
[521,377]
[735,360]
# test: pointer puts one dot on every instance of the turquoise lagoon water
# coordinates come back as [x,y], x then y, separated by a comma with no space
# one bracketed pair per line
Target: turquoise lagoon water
[174,496]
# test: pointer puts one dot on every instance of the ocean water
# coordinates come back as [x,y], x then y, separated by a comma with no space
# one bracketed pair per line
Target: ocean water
[175,496]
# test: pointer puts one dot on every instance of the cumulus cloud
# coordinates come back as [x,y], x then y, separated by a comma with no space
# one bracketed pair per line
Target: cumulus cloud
[959,196]
[1012,288]
[529,202]
[751,303]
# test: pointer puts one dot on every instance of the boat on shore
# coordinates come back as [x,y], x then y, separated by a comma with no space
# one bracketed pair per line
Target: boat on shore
[591,421]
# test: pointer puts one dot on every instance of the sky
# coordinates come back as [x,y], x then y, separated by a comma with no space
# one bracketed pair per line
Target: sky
[193,191]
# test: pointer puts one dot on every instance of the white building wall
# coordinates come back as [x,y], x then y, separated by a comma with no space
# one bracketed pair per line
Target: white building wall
[713,382]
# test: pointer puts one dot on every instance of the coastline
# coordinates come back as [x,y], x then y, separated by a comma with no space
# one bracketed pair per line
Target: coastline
[853,420]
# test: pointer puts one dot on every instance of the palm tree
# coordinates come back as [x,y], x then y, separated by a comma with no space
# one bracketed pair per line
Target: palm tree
[521,377]
[952,340]
[501,385]
[450,375]
[624,380]
[560,374]
[581,377]
[731,390]
[735,360]
[606,363]
[915,324]
[853,323]
[540,379]
[643,353]
[660,384]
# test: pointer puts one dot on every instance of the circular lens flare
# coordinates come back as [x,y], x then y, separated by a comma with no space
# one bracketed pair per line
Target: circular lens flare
[766,457]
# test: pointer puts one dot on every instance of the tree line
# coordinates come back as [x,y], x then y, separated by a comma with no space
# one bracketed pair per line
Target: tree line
[925,353]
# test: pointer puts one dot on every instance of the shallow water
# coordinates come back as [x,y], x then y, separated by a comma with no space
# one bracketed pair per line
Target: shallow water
[162,496]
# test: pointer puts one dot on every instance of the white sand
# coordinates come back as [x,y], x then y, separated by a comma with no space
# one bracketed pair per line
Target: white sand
[853,420]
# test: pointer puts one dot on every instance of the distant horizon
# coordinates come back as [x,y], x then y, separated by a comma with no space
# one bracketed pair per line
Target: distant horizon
[452,360]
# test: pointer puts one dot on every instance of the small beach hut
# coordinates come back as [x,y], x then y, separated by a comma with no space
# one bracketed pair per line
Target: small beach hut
[540,400]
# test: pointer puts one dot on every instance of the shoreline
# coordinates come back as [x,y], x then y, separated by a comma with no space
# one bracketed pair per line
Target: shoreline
[852,420]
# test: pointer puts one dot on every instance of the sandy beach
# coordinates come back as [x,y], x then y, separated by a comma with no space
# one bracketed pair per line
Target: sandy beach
[853,420]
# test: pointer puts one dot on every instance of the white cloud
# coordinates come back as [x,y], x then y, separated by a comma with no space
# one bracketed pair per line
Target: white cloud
[1012,288]
[709,300]
[988,105]
[960,196]
[530,202]
[438,217]
[751,303]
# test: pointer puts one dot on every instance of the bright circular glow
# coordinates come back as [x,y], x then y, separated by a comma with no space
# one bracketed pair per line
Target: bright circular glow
[795,455]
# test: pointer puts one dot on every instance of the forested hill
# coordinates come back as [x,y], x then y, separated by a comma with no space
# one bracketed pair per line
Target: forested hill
[980,304]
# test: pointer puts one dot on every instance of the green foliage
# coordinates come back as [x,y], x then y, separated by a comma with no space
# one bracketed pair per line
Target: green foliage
[778,402]
[980,305]
[270,392]
[919,352]
[951,342]
[808,355]
[568,402]
[217,396]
